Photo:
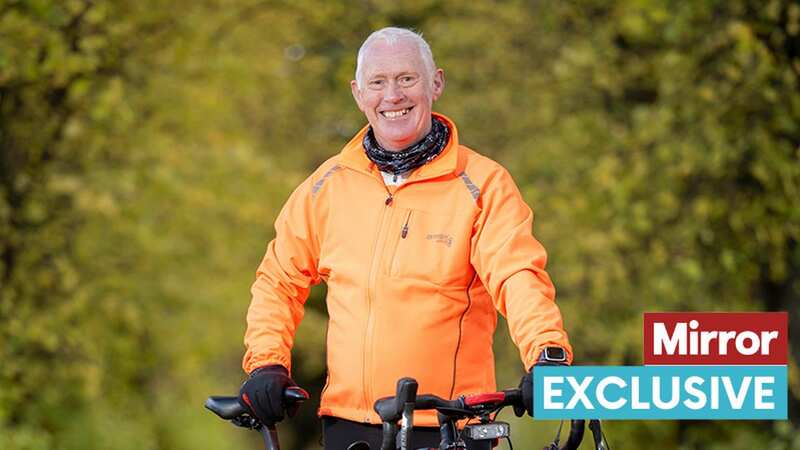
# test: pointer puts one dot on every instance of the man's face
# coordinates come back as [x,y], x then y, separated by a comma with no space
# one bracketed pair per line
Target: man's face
[397,93]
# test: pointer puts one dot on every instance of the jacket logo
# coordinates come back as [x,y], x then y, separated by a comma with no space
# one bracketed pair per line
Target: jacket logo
[445,239]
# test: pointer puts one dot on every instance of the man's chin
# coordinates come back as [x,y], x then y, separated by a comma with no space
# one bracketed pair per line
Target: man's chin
[395,139]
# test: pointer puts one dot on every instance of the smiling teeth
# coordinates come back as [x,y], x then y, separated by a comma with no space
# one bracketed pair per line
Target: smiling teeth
[395,114]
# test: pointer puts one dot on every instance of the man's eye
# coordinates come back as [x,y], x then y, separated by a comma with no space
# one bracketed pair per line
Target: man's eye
[376,84]
[407,80]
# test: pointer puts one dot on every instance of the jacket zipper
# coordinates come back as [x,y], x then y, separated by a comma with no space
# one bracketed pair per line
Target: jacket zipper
[367,357]
[367,360]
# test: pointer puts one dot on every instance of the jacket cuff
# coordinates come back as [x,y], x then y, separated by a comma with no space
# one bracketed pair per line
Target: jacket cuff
[272,368]
[549,363]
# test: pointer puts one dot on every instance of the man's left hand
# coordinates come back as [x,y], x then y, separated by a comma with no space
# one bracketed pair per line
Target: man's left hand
[526,386]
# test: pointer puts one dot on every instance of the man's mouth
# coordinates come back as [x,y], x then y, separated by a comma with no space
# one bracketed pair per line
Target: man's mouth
[391,115]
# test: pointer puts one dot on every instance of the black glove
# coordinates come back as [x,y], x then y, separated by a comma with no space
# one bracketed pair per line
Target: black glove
[262,393]
[526,386]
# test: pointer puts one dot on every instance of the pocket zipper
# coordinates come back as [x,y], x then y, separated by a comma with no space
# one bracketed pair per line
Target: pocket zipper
[404,231]
[403,235]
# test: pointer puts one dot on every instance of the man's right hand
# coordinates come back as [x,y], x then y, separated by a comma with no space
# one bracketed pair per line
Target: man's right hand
[262,393]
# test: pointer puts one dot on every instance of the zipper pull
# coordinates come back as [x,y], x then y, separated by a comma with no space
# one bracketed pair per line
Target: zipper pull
[404,230]
[388,200]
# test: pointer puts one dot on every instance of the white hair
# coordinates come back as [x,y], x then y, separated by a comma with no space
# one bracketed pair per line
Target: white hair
[392,35]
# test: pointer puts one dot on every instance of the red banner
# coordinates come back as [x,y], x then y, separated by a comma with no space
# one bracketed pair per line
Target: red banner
[710,338]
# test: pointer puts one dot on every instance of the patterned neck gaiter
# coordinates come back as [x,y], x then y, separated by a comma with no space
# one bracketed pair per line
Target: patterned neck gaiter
[409,158]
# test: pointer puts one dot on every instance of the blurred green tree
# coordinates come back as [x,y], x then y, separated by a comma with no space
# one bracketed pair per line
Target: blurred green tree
[146,148]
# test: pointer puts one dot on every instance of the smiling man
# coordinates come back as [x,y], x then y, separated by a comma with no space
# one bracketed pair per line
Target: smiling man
[420,240]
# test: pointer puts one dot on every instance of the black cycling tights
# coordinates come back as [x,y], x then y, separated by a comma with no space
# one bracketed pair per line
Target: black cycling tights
[339,434]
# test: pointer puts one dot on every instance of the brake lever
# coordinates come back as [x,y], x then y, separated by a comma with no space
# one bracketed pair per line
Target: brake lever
[246,421]
[293,397]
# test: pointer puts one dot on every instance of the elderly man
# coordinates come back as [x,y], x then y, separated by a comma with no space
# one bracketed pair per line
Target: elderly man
[420,241]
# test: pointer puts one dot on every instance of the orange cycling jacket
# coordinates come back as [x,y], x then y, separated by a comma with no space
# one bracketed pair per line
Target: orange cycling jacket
[414,274]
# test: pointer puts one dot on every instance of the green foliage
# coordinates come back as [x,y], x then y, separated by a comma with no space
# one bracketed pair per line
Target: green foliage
[145,149]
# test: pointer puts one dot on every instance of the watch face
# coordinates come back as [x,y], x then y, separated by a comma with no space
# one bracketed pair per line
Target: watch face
[555,354]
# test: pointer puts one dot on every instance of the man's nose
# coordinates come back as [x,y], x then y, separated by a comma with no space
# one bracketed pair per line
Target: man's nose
[394,93]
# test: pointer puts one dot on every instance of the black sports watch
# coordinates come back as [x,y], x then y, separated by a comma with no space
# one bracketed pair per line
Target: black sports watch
[553,355]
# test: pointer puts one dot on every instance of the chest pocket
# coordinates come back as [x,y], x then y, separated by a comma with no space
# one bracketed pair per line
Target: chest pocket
[431,247]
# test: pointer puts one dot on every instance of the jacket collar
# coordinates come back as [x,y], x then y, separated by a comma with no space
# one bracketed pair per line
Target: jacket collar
[354,156]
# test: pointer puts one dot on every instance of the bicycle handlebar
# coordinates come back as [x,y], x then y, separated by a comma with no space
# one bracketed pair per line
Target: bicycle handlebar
[389,408]
[392,409]
[230,408]
[400,408]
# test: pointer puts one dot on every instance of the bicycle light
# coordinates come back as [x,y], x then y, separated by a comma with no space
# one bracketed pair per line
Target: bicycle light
[486,431]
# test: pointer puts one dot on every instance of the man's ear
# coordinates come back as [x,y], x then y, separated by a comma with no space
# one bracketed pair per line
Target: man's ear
[438,84]
[356,91]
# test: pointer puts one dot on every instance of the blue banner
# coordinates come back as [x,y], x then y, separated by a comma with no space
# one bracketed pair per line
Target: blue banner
[660,392]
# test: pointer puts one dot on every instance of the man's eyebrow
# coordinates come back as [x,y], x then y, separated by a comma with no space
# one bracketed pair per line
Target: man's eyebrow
[385,75]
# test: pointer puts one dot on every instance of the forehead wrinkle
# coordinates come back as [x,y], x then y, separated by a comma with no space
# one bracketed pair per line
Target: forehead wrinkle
[389,74]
